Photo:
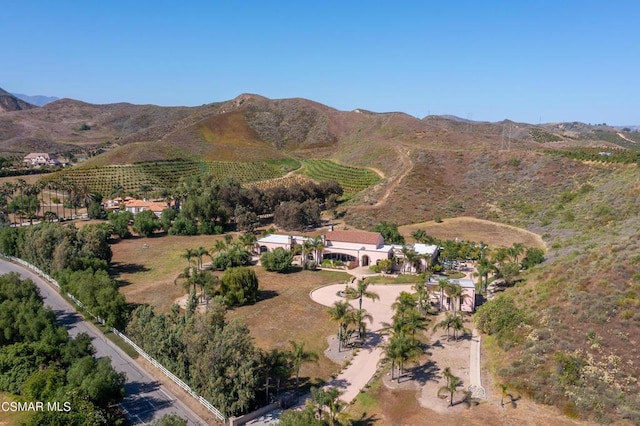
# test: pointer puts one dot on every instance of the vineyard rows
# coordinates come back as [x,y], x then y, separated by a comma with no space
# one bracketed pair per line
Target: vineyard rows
[159,175]
[352,179]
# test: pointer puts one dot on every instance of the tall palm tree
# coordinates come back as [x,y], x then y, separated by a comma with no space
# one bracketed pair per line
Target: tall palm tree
[21,184]
[359,316]
[451,388]
[404,302]
[442,285]
[484,268]
[445,323]
[399,350]
[299,356]
[515,251]
[201,251]
[188,276]
[341,311]
[360,291]
[457,324]
[412,322]
[189,254]
[317,245]
[9,190]
[422,294]
[457,296]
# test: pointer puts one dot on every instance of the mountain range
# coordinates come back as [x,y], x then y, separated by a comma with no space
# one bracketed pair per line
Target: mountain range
[37,100]
[577,350]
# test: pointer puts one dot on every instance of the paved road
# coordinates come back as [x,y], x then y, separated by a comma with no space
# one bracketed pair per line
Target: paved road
[146,399]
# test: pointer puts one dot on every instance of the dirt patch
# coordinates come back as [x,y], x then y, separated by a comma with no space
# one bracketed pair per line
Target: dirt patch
[414,401]
[471,229]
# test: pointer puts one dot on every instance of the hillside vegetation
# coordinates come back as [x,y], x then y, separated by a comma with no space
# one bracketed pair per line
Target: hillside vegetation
[570,332]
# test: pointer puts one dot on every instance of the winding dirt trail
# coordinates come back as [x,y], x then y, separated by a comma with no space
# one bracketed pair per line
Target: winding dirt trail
[407,166]
[626,138]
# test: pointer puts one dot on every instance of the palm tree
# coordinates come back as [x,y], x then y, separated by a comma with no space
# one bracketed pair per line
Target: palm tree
[188,276]
[405,250]
[454,292]
[451,388]
[515,251]
[317,245]
[359,316]
[361,291]
[189,254]
[199,252]
[420,236]
[412,322]
[342,313]
[248,241]
[21,184]
[443,284]
[484,268]
[327,398]
[9,190]
[400,350]
[404,302]
[219,246]
[299,356]
[445,323]
[457,324]
[422,293]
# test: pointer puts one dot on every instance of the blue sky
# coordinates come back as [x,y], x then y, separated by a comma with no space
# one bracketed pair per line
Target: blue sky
[486,60]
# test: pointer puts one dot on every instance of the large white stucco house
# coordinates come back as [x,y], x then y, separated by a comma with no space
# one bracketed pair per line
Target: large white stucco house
[354,248]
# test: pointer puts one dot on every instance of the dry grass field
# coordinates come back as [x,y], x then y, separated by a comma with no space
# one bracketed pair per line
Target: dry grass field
[147,267]
[471,229]
[8,417]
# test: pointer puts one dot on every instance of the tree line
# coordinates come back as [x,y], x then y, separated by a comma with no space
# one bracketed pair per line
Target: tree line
[216,356]
[40,362]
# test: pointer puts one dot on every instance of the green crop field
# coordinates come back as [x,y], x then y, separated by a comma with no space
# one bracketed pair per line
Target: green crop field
[159,175]
[352,179]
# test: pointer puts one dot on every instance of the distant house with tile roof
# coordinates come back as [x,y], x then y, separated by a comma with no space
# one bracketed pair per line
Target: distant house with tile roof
[136,206]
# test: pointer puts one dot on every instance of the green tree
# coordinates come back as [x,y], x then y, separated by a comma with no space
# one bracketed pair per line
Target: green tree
[278,260]
[239,286]
[390,233]
[25,206]
[146,223]
[533,256]
[299,356]
[169,420]
[223,362]
[119,222]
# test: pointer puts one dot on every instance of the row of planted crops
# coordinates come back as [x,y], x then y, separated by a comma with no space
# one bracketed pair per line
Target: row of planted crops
[155,176]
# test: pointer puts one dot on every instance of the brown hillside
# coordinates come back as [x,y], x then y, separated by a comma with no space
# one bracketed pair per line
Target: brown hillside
[10,103]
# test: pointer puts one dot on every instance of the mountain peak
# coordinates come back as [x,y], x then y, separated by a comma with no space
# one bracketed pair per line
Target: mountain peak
[9,102]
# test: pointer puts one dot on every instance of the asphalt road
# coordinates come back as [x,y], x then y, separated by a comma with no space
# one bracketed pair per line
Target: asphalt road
[146,399]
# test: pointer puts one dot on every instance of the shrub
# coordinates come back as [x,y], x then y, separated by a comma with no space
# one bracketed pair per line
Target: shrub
[278,260]
[239,286]
[499,315]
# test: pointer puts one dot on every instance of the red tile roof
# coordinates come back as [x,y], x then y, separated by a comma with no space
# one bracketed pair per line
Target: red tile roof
[358,237]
